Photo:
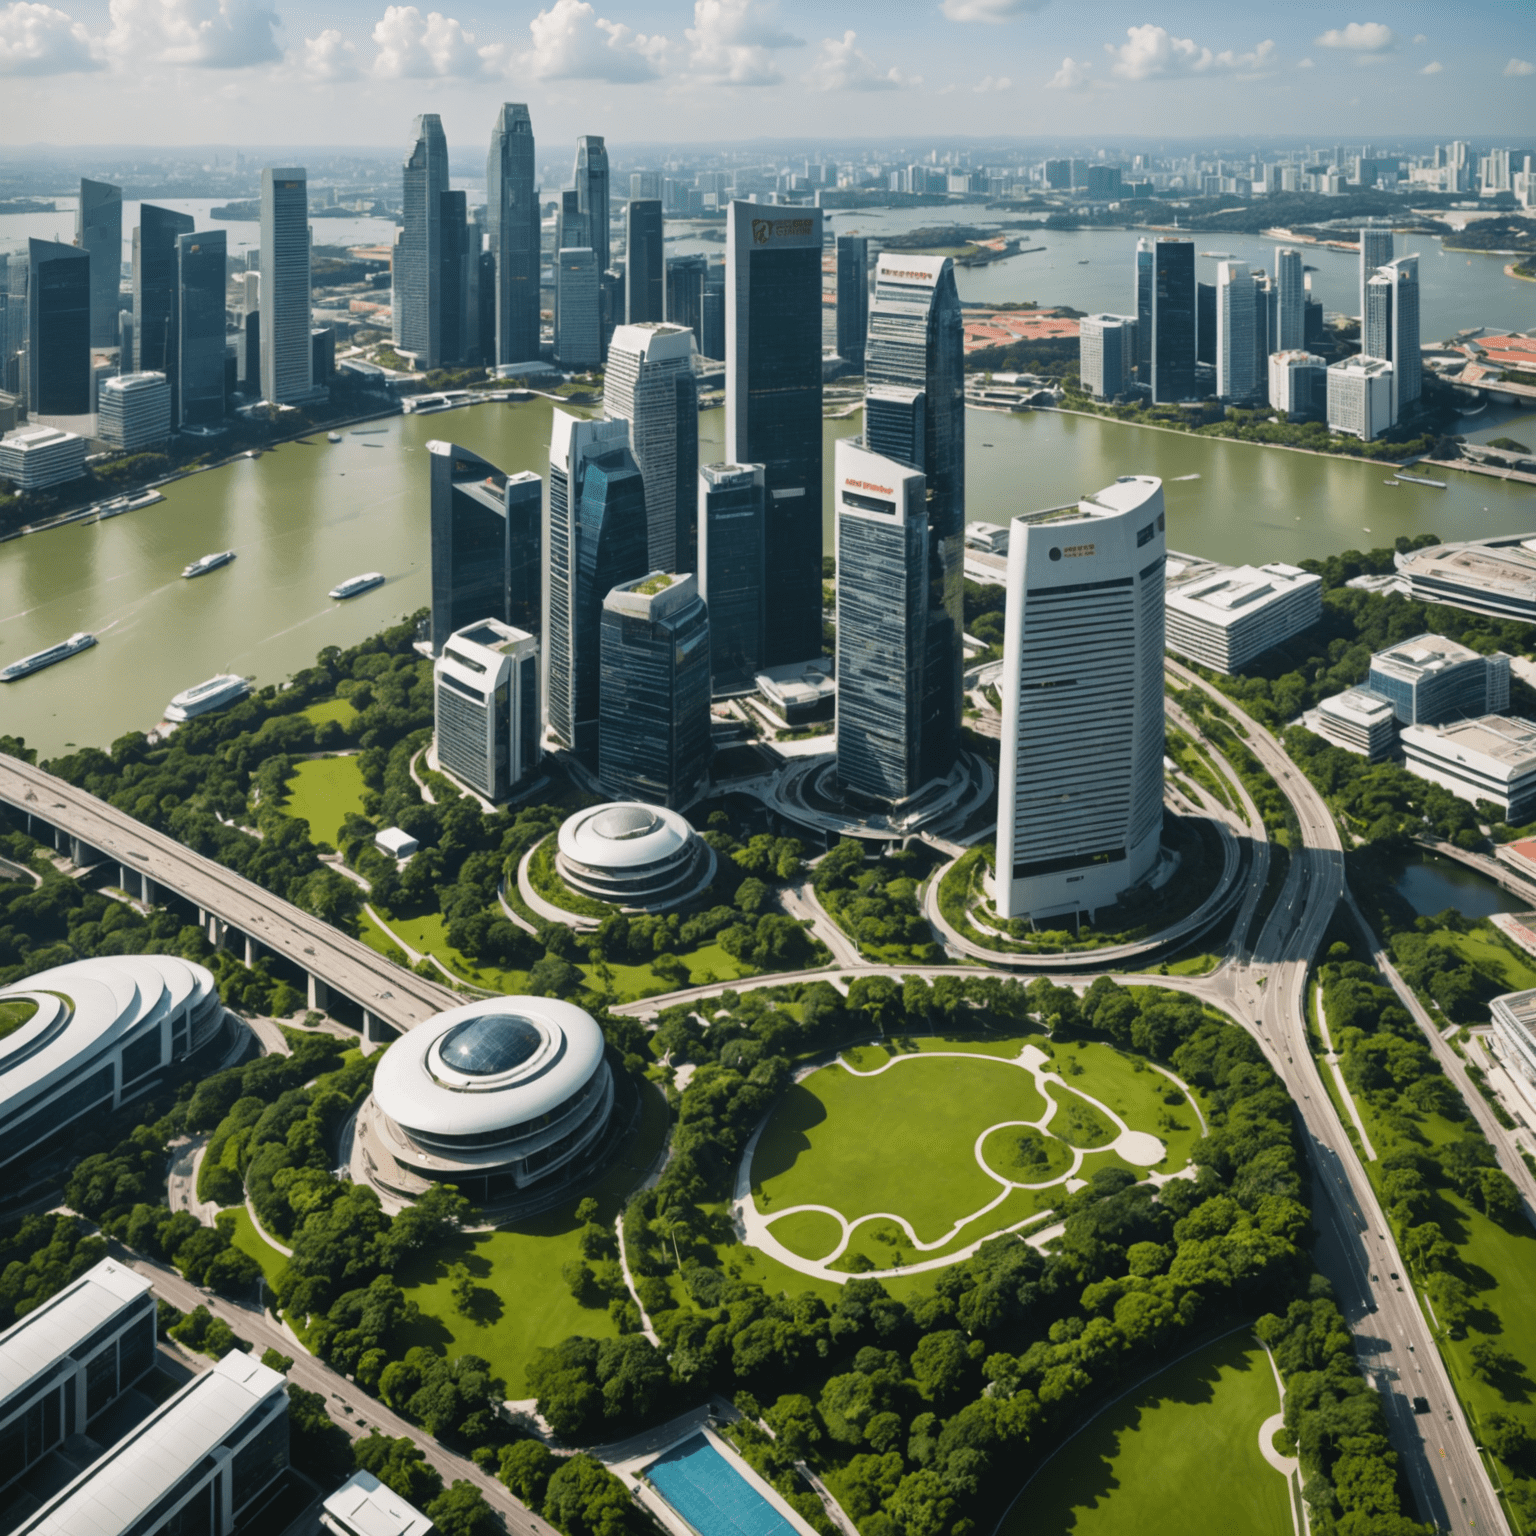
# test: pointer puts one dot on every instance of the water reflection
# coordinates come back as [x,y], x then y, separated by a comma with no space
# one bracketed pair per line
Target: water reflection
[1430,883]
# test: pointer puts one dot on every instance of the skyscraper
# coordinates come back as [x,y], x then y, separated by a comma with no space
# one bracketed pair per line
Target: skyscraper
[58,330]
[896,422]
[154,288]
[285,354]
[457,280]
[645,295]
[1173,319]
[1205,324]
[418,260]
[852,298]
[1107,348]
[596,540]
[653,722]
[731,571]
[1142,308]
[685,294]
[578,312]
[882,624]
[1291,303]
[916,340]
[199,377]
[1390,329]
[1375,252]
[99,232]
[1237,375]
[486,692]
[649,382]
[512,198]
[1082,664]
[712,315]
[591,181]
[773,403]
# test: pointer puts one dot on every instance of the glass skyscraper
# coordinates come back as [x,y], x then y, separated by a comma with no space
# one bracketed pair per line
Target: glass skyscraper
[1173,319]
[512,197]
[591,179]
[578,309]
[1237,373]
[773,403]
[58,330]
[1291,303]
[1390,329]
[852,298]
[916,341]
[653,732]
[1375,252]
[198,399]
[285,353]
[685,294]
[731,572]
[645,297]
[154,289]
[99,232]
[418,260]
[1142,309]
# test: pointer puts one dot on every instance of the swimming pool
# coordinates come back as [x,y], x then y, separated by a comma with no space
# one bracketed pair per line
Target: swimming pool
[703,1487]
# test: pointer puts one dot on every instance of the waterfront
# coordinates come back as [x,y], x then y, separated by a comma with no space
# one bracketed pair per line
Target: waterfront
[307,514]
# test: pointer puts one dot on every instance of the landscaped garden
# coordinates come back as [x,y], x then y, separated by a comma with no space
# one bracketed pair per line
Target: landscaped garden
[324,791]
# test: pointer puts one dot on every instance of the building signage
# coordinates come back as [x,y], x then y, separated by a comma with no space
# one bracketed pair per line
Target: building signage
[764,230]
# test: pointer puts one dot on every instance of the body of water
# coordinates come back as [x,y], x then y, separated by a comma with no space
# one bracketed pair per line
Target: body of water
[1430,883]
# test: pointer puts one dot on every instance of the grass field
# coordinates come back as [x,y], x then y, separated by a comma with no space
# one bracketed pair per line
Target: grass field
[248,1240]
[331,709]
[1138,1097]
[324,791]
[1485,951]
[1180,1455]
[14,1014]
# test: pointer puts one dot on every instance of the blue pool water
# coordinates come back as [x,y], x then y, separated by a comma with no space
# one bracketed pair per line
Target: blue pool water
[703,1487]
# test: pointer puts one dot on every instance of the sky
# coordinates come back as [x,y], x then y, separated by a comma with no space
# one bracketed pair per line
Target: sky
[354,72]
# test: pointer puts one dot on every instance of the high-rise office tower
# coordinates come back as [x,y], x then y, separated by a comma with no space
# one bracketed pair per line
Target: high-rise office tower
[1390,330]
[154,288]
[199,379]
[286,356]
[1107,348]
[1082,664]
[916,341]
[731,572]
[653,741]
[685,294]
[1142,307]
[1237,374]
[591,181]
[418,259]
[1263,321]
[773,403]
[645,273]
[882,625]
[896,421]
[610,289]
[512,198]
[455,290]
[578,310]
[573,229]
[649,382]
[99,232]
[645,183]
[852,298]
[1375,252]
[1205,324]
[712,316]
[487,718]
[58,335]
[1291,301]
[1173,319]
[596,538]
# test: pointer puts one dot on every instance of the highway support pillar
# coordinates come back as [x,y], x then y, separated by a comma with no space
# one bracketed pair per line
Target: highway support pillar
[319,994]
[377,1031]
[250,951]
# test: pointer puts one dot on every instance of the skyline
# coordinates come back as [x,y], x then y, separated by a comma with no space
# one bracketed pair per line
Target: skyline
[725,70]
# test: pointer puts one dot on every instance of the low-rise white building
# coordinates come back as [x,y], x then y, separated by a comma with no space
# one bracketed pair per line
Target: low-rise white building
[1496,577]
[1298,384]
[1490,758]
[1224,617]
[363,1506]
[134,410]
[1514,1032]
[1360,397]
[1357,720]
[33,458]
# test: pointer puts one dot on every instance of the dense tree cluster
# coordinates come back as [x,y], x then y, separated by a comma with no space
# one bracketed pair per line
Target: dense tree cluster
[39,1256]
[876,903]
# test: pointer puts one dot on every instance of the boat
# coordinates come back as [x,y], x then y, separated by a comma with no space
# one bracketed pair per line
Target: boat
[82,641]
[203,698]
[354,585]
[1083,262]
[205,563]
[1178,478]
[1439,485]
[333,437]
[120,504]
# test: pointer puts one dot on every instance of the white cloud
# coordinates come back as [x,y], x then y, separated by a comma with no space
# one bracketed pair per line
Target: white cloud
[572,42]
[38,40]
[733,42]
[1071,76]
[990,10]
[1419,37]
[1432,69]
[1520,67]
[1359,37]
[993,83]
[431,47]
[1154,52]
[843,66]
[1306,64]
[330,57]
[212,34]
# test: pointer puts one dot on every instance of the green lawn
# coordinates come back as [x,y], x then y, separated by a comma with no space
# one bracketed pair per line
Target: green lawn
[1110,1076]
[14,1014]
[706,964]
[813,1233]
[1180,1455]
[248,1240]
[428,935]
[324,791]
[331,709]
[1485,951]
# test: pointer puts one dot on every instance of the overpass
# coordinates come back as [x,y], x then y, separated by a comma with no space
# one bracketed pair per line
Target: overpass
[232,910]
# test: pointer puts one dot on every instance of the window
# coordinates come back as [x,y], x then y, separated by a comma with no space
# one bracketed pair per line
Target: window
[100,1381]
[261,1458]
[141,1056]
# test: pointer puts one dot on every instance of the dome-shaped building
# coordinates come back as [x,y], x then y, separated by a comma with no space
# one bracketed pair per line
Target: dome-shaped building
[643,858]
[495,1097]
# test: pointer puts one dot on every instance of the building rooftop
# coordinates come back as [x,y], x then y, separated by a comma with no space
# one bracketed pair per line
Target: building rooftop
[1422,656]
[1507,569]
[486,635]
[1504,739]
[1371,367]
[363,1506]
[654,595]
[1358,706]
[30,439]
[1228,594]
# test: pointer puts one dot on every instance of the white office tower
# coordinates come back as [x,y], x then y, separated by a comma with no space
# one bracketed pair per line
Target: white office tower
[134,410]
[649,382]
[1375,251]
[1390,330]
[1291,301]
[882,624]
[1237,376]
[1298,384]
[486,684]
[578,310]
[1107,354]
[1360,397]
[1080,788]
[286,349]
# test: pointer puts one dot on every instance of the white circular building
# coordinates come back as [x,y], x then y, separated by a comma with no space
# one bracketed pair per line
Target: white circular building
[84,1038]
[495,1096]
[643,858]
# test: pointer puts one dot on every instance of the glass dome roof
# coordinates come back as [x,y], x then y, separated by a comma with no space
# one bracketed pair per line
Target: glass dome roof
[491,1044]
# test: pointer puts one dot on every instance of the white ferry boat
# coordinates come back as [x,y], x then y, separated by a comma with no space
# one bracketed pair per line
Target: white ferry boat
[205,563]
[120,504]
[40,659]
[218,691]
[353,585]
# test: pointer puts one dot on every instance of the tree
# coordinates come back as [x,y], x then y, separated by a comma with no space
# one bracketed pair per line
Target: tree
[525,1467]
[400,1465]
[1509,1439]
[940,1365]
[585,1499]
[461,1510]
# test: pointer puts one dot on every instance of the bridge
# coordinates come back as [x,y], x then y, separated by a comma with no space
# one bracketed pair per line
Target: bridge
[233,911]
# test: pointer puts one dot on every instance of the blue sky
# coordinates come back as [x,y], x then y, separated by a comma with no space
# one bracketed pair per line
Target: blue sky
[350,72]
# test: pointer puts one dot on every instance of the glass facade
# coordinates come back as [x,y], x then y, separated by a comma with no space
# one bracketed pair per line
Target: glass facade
[852,298]
[685,295]
[284,352]
[418,256]
[645,269]
[472,542]
[512,198]
[58,330]
[99,232]
[455,283]
[1173,320]
[1143,310]
[731,571]
[591,180]
[199,396]
[154,289]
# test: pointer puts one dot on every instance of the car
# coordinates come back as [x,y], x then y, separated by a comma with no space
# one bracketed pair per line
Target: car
[1421,1405]
[1374,1279]
[1393,1275]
